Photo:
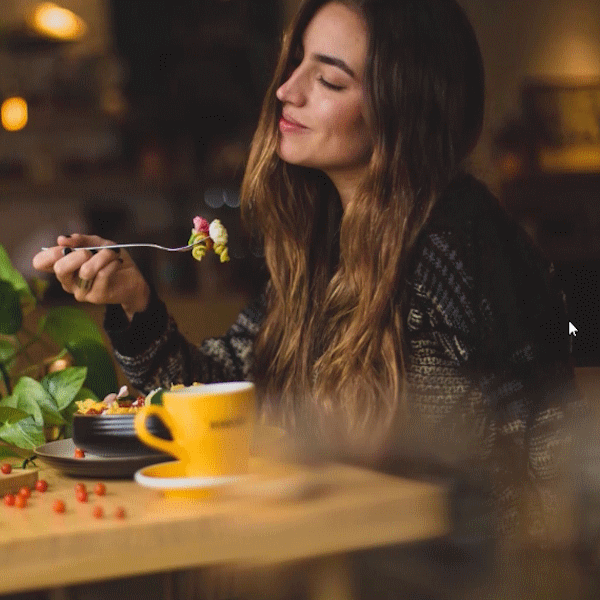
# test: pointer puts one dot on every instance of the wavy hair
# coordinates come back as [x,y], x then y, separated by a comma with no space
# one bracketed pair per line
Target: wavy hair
[333,342]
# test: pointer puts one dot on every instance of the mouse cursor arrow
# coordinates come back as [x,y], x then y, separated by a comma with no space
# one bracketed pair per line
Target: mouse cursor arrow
[572,329]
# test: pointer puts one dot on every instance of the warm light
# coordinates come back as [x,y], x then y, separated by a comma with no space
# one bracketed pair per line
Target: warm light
[511,164]
[57,22]
[14,113]
[60,364]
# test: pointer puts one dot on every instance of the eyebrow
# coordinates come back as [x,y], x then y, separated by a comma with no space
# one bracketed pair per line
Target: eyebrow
[336,62]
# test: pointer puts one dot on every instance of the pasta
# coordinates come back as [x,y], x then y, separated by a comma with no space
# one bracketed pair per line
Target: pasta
[121,403]
[208,237]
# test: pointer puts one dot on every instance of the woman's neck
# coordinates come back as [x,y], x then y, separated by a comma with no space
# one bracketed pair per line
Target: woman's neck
[346,183]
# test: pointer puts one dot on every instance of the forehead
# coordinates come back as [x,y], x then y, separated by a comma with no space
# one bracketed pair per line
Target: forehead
[337,30]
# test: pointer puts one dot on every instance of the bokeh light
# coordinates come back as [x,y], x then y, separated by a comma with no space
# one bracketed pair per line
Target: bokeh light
[14,113]
[56,22]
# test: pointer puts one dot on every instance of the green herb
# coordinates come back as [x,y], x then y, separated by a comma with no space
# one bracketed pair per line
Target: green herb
[36,404]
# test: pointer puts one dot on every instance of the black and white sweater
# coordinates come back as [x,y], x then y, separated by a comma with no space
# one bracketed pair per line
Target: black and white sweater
[489,347]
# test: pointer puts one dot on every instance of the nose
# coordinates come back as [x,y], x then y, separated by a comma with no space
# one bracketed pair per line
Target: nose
[291,91]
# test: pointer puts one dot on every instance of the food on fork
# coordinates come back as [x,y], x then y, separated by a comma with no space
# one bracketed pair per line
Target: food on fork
[218,234]
[211,236]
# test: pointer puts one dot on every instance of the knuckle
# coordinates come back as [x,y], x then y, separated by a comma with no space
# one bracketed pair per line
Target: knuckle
[86,272]
[59,270]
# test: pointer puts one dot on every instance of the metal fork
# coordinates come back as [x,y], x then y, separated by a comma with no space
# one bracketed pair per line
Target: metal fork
[113,246]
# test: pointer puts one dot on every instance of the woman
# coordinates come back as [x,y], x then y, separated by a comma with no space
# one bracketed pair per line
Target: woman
[399,293]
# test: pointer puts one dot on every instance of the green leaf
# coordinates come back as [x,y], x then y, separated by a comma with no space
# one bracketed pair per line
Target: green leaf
[6,451]
[65,324]
[25,434]
[33,398]
[9,401]
[157,396]
[7,358]
[64,385]
[101,377]
[7,350]
[69,411]
[41,324]
[83,394]
[11,415]
[11,315]
[9,274]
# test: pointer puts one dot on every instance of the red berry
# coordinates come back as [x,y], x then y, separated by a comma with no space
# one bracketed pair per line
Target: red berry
[81,496]
[9,500]
[41,485]
[120,512]
[58,506]
[80,487]
[98,512]
[100,489]
[25,491]
[20,501]
[6,468]
[79,453]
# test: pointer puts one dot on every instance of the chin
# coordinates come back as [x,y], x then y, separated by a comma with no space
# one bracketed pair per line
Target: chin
[293,157]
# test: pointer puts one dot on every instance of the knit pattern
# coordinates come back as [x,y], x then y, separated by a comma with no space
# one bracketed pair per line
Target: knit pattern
[489,367]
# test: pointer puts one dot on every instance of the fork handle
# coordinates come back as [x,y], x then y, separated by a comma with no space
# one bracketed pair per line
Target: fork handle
[113,247]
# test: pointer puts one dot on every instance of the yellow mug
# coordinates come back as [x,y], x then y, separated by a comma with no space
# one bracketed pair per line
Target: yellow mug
[211,426]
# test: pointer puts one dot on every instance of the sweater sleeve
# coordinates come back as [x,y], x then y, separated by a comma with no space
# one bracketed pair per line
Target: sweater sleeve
[491,362]
[153,353]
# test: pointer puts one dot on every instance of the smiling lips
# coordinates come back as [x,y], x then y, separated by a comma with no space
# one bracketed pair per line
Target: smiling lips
[288,125]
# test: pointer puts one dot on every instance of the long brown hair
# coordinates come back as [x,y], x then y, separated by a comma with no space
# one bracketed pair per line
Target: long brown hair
[333,340]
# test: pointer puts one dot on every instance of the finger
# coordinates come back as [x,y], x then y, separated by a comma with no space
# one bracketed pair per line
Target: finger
[99,260]
[45,259]
[79,239]
[97,290]
[67,267]
[81,287]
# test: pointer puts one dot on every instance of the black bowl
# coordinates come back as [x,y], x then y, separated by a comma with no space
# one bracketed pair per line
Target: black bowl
[114,435]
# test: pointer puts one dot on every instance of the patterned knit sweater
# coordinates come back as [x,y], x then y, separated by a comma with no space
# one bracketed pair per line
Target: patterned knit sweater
[489,348]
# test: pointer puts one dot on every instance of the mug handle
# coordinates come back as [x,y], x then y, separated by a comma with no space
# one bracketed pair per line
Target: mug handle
[168,446]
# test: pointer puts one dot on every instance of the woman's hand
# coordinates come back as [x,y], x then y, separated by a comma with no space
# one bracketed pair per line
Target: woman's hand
[101,277]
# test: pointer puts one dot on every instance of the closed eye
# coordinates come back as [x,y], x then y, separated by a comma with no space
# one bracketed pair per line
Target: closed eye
[329,85]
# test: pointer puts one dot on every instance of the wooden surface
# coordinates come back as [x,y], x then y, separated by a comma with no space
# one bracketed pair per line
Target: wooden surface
[356,509]
[13,482]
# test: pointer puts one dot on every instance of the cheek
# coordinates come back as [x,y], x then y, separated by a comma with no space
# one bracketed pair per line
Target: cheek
[346,123]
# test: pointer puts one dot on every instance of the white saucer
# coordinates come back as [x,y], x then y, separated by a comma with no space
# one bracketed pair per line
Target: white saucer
[167,478]
[265,478]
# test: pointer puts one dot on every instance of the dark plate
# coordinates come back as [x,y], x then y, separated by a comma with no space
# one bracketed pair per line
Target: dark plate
[60,455]
[114,435]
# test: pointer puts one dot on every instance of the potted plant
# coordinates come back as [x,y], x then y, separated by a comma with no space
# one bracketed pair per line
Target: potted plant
[49,359]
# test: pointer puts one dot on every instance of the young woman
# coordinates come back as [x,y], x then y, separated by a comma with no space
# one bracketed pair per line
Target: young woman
[400,294]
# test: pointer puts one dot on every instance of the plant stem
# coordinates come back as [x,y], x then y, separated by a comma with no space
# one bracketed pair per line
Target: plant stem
[31,342]
[6,378]
[23,348]
[43,363]
[36,337]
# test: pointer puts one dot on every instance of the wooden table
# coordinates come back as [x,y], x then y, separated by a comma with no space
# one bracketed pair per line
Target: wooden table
[40,549]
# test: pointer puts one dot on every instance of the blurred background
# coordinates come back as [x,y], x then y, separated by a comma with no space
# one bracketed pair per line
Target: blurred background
[126,118]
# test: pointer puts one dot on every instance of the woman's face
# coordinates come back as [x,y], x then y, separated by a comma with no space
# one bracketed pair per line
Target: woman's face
[322,124]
